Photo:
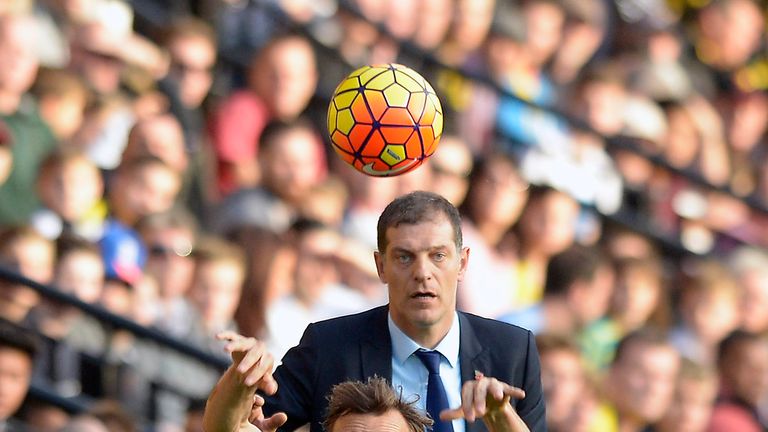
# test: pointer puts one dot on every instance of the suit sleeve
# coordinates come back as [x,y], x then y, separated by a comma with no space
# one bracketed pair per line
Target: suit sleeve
[531,408]
[295,378]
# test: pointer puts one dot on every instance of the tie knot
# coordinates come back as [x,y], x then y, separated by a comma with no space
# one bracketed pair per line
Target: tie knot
[431,360]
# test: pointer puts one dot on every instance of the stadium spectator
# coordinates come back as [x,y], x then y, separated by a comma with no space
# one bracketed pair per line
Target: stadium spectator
[695,393]
[18,348]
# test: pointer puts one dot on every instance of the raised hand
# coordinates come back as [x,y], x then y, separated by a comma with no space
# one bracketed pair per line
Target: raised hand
[489,399]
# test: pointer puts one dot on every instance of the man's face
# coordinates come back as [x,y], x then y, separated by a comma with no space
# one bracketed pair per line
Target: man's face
[15,373]
[422,267]
[645,380]
[390,421]
[192,64]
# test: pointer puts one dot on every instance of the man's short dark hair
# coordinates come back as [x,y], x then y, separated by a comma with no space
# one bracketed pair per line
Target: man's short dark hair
[414,208]
[377,397]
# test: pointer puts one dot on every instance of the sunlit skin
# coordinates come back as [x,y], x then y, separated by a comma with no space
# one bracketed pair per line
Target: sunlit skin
[15,373]
[422,267]
[390,421]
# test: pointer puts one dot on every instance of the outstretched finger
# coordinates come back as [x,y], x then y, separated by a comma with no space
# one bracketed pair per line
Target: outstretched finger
[272,423]
[452,414]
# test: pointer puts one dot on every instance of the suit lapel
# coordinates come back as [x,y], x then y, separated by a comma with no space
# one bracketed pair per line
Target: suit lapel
[473,357]
[376,347]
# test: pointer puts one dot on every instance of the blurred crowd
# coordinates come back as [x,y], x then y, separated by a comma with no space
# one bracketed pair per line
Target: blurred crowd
[167,162]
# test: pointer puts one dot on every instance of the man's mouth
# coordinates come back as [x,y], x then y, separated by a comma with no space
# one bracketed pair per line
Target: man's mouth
[423,295]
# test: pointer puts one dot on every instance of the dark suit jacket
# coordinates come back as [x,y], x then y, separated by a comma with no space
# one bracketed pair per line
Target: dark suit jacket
[358,346]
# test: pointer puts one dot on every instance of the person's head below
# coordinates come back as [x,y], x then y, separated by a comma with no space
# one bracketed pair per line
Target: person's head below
[160,136]
[69,184]
[421,259]
[583,278]
[451,166]
[191,44]
[291,159]
[355,406]
[284,75]
[694,398]
[62,98]
[141,187]
[742,363]
[563,377]
[641,379]
[218,281]
[18,348]
[24,250]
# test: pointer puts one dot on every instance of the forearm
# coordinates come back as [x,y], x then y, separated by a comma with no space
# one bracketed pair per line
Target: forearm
[229,404]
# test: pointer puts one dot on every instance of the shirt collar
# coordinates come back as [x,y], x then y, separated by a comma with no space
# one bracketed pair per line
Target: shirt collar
[403,346]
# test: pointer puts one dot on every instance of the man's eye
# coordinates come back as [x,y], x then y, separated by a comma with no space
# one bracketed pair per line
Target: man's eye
[440,256]
[403,259]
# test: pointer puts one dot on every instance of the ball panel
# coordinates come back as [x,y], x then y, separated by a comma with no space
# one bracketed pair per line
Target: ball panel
[413,146]
[428,138]
[360,110]
[359,71]
[359,134]
[341,142]
[374,146]
[331,117]
[397,117]
[435,102]
[348,84]
[376,103]
[405,78]
[393,154]
[344,100]
[416,105]
[396,95]
[396,134]
[346,157]
[344,121]
[437,125]
[380,82]
[428,116]
[371,73]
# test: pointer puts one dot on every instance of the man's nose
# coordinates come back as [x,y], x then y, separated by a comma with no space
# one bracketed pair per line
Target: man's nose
[422,270]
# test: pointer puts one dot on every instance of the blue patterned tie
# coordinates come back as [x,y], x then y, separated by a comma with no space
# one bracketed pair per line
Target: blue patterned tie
[437,400]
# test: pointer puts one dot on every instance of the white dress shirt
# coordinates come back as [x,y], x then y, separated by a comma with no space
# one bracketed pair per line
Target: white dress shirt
[410,376]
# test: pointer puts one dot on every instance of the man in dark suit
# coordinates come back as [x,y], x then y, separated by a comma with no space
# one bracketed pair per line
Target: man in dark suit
[488,369]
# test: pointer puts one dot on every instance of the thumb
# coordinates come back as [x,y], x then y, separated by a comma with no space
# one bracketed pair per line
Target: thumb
[272,423]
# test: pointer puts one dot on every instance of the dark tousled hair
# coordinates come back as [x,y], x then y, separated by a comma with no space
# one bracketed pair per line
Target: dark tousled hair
[414,208]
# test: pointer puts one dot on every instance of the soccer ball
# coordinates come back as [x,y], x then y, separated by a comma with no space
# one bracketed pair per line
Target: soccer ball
[385,120]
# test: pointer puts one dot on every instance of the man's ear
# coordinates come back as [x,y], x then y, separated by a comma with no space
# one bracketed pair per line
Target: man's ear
[463,262]
[379,259]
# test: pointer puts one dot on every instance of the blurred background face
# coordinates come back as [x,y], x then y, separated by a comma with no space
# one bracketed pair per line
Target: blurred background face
[170,261]
[290,165]
[499,195]
[152,189]
[549,224]
[746,372]
[18,64]
[15,374]
[402,18]
[451,165]
[753,306]
[691,408]
[217,289]
[315,269]
[159,136]
[192,61]
[81,273]
[635,299]
[73,189]
[471,22]
[562,379]
[544,27]
[644,381]
[434,19]
[285,77]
